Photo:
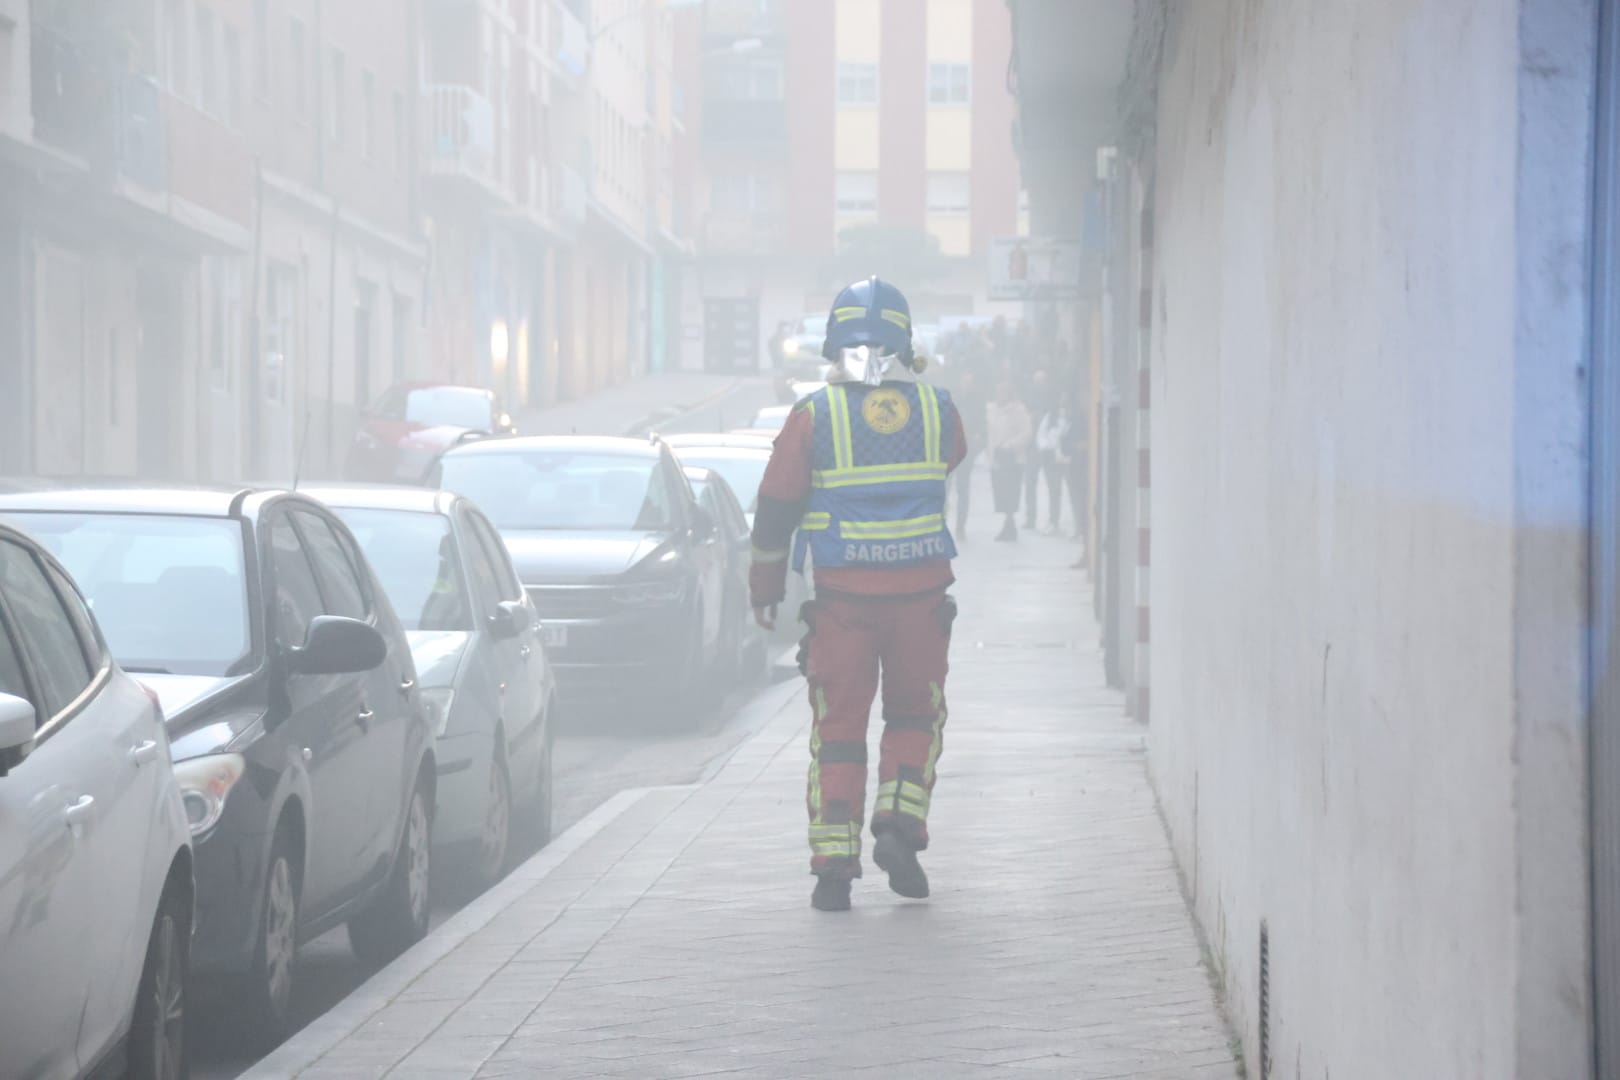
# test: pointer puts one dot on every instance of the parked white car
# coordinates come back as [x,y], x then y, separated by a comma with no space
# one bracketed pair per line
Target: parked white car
[95,855]
[483,672]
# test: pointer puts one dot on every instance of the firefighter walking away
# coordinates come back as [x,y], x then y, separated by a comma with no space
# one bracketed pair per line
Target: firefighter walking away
[856,485]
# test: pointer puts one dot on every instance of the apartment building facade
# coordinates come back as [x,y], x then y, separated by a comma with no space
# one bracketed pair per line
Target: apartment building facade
[230,224]
[846,138]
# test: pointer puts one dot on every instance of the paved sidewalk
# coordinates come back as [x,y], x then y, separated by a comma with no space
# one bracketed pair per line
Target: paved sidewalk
[670,934]
[621,409]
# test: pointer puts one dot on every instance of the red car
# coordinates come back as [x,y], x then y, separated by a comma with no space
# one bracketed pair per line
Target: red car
[413,423]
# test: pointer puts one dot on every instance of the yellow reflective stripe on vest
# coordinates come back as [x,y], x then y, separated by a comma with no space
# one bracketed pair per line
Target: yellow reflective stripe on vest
[891,530]
[930,411]
[816,519]
[843,442]
[903,472]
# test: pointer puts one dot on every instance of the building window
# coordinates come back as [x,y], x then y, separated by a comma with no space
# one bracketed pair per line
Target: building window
[857,84]
[340,105]
[402,131]
[746,193]
[365,300]
[281,285]
[179,41]
[207,64]
[298,67]
[368,113]
[748,79]
[948,193]
[856,192]
[233,77]
[261,49]
[948,84]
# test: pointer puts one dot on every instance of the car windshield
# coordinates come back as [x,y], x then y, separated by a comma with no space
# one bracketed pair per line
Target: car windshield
[743,474]
[415,557]
[169,592]
[813,324]
[450,406]
[563,489]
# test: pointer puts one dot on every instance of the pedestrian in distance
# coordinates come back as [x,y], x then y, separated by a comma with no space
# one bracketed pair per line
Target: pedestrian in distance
[1037,402]
[857,484]
[1052,462]
[1008,433]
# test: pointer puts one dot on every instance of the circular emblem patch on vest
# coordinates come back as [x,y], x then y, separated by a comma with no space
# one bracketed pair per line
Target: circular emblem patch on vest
[886,411]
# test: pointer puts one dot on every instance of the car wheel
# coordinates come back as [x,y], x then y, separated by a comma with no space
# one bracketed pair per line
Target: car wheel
[157,1038]
[398,918]
[495,837]
[267,996]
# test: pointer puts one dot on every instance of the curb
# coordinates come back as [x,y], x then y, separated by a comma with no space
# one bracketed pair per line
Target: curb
[307,1046]
[650,422]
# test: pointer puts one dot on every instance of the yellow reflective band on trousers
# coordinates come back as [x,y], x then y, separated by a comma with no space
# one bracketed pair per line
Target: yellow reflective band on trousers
[816,519]
[836,841]
[903,797]
[819,705]
[938,744]
[891,530]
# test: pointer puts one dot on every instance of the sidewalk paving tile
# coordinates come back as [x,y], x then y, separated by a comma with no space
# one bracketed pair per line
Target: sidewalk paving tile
[678,941]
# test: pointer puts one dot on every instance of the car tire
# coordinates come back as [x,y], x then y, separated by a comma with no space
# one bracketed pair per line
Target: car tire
[494,849]
[398,918]
[540,813]
[265,1007]
[157,1036]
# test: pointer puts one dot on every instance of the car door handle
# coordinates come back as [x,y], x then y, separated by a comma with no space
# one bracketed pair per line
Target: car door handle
[365,716]
[80,812]
[144,753]
[406,686]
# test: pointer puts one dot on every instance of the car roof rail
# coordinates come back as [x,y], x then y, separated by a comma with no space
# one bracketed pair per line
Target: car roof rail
[238,499]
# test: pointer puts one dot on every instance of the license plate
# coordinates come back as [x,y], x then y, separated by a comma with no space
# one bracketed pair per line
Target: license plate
[554,636]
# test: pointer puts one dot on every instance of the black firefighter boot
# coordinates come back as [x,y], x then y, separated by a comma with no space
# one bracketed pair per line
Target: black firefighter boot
[898,859]
[832,893]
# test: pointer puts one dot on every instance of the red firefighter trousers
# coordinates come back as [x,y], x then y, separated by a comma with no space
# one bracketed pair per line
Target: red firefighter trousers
[852,641]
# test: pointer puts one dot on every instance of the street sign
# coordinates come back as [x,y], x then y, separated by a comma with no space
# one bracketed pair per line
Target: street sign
[1035,268]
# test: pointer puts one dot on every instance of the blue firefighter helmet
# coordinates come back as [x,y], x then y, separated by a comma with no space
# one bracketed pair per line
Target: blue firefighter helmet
[871,313]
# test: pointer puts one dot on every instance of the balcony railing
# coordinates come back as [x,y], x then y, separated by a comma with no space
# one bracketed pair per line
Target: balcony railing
[567,42]
[746,122]
[96,109]
[742,232]
[461,133]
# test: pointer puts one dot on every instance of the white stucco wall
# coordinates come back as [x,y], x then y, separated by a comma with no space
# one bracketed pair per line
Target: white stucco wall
[1368,439]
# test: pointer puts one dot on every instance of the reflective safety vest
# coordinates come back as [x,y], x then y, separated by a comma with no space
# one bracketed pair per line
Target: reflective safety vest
[877,487]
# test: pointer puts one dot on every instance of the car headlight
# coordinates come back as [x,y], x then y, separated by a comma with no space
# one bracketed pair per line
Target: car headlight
[436,704]
[790,347]
[204,783]
[651,592]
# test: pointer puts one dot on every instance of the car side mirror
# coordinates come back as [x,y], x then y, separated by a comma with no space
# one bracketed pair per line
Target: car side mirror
[17,723]
[338,646]
[703,526]
[511,618]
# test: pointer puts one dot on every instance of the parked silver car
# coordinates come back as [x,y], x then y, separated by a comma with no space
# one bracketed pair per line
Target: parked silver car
[484,674]
[95,854]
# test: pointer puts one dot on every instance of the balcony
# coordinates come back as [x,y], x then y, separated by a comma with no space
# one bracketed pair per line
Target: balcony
[727,232]
[97,111]
[461,135]
[567,42]
[744,19]
[758,125]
